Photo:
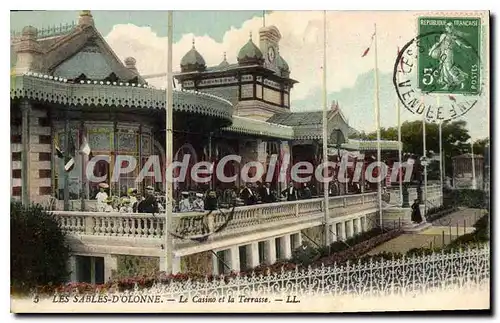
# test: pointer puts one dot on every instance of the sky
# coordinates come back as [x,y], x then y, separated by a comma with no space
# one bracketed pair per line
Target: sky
[350,78]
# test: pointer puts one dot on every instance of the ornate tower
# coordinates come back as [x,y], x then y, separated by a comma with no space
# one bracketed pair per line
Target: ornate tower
[269,45]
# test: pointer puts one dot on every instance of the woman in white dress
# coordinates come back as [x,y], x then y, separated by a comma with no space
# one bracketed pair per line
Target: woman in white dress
[101,197]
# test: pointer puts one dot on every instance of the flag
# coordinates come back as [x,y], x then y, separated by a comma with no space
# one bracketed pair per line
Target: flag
[368,49]
[400,61]
[59,152]
[84,144]
[70,156]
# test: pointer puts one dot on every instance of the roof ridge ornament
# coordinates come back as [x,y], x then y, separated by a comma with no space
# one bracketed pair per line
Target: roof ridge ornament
[85,18]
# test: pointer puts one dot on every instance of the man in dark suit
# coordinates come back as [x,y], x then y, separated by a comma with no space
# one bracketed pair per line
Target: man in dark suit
[290,192]
[266,194]
[248,196]
[149,204]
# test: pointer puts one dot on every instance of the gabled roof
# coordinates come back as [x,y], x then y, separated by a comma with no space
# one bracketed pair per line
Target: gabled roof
[308,124]
[260,128]
[300,118]
[65,47]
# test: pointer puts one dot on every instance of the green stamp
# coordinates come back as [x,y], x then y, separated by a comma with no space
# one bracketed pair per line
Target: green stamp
[448,59]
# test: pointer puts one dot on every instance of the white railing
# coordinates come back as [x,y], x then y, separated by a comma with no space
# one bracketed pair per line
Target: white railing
[406,276]
[198,223]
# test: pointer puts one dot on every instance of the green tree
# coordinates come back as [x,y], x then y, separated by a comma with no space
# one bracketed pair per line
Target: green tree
[480,146]
[454,134]
[39,252]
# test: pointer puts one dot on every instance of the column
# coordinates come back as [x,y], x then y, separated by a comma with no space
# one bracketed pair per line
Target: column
[92,270]
[110,264]
[176,265]
[363,223]
[299,238]
[72,266]
[234,256]
[349,229]
[286,246]
[270,251]
[252,255]
[25,155]
[215,263]
[357,223]
[340,231]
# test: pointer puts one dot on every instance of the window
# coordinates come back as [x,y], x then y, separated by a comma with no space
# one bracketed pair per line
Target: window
[262,254]
[74,176]
[44,173]
[16,173]
[277,243]
[44,156]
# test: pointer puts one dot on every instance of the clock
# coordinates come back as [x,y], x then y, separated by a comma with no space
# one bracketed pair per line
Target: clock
[271,54]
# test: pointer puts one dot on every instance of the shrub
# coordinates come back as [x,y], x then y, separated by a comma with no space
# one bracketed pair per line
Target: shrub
[39,252]
[465,197]
[305,255]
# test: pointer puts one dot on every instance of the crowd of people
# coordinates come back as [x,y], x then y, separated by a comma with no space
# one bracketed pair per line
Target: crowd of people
[210,199]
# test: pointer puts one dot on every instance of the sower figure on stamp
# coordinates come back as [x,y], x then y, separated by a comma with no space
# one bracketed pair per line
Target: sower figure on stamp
[450,75]
[415,212]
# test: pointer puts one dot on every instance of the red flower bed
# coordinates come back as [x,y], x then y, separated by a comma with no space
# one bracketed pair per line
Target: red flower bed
[144,282]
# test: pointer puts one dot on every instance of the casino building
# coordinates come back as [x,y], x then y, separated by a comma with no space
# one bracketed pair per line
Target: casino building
[67,86]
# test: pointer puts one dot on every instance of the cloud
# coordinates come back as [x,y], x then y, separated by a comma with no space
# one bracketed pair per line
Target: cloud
[348,35]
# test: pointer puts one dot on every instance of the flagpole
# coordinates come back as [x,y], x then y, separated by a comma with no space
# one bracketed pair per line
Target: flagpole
[425,164]
[377,116]
[400,146]
[474,184]
[66,156]
[441,157]
[325,139]
[168,153]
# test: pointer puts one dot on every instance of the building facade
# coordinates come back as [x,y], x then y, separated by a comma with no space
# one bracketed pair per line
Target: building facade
[70,88]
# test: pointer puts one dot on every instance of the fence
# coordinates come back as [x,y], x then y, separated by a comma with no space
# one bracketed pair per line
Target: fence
[410,275]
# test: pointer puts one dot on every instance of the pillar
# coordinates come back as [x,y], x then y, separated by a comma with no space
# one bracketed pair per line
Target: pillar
[176,265]
[72,267]
[299,238]
[340,231]
[357,224]
[25,155]
[110,264]
[253,255]
[270,251]
[234,256]
[349,229]
[92,270]
[215,264]
[286,246]
[363,223]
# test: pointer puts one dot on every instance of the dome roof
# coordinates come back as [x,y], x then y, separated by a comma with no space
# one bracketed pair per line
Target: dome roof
[250,53]
[282,64]
[224,63]
[192,61]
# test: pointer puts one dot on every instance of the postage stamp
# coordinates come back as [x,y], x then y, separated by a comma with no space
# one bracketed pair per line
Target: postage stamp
[449,61]
[163,165]
[437,74]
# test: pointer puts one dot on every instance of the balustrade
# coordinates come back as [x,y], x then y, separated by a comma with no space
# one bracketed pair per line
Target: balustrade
[198,224]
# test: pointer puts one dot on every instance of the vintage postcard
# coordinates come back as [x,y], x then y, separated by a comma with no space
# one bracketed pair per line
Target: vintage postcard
[249,161]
